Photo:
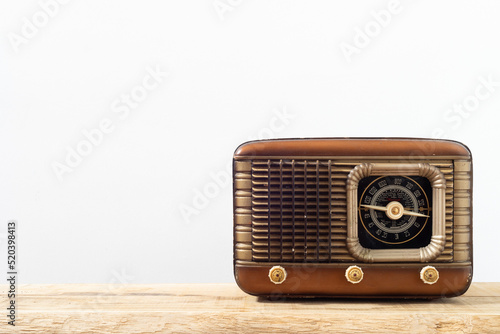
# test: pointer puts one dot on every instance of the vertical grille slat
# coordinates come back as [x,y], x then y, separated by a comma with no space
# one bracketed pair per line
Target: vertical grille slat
[317,210]
[269,210]
[293,209]
[281,210]
[305,210]
[329,209]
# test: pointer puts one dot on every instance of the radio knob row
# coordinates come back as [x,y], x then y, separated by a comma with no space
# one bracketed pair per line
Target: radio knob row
[354,274]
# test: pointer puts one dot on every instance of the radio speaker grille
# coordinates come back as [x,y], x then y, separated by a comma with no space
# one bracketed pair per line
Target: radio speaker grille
[291,205]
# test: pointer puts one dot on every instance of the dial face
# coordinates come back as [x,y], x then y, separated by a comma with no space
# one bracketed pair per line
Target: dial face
[394,212]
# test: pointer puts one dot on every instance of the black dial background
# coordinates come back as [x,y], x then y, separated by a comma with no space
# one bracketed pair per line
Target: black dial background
[421,240]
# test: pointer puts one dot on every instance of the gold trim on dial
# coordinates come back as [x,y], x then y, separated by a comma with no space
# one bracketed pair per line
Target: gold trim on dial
[438,238]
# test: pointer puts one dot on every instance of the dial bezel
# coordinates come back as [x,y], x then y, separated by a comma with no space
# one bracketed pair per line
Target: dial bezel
[423,254]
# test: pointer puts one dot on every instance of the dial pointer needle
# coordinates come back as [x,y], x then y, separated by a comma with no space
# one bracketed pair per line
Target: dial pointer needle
[374,207]
[411,213]
[383,208]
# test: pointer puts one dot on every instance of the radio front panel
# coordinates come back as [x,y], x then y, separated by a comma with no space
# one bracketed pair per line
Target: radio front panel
[315,212]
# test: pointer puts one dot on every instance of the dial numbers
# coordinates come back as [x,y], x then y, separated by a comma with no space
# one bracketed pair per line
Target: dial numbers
[394,227]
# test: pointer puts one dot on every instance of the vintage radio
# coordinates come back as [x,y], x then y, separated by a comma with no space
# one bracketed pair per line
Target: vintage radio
[353,217]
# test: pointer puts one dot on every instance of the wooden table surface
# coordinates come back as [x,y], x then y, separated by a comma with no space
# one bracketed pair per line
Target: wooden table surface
[223,308]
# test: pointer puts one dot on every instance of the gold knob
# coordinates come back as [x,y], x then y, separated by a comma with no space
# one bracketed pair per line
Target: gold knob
[277,274]
[354,274]
[429,275]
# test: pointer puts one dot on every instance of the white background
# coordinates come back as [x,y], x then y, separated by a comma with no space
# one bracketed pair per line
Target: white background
[233,66]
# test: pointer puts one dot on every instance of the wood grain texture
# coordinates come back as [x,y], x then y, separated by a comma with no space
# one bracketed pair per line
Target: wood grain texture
[223,308]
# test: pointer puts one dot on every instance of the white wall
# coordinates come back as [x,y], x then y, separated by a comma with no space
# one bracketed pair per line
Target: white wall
[237,70]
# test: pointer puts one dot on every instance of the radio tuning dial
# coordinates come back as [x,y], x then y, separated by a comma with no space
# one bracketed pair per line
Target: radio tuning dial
[429,275]
[277,274]
[354,274]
